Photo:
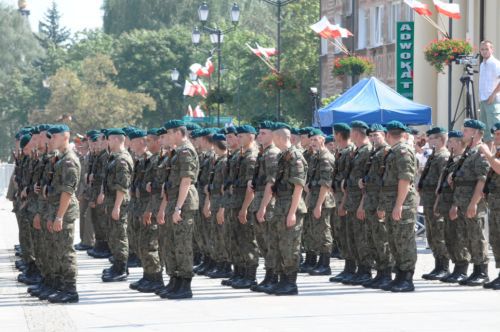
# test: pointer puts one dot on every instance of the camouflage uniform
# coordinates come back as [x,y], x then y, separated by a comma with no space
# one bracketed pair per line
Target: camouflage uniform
[493,197]
[25,217]
[308,241]
[157,188]
[203,225]
[83,195]
[98,214]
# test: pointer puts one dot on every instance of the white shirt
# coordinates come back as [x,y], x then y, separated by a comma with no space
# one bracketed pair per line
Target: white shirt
[489,77]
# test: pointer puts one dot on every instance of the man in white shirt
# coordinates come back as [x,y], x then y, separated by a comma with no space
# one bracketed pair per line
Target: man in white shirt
[489,87]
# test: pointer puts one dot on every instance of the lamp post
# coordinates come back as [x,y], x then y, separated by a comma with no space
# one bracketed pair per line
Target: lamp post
[279,4]
[216,37]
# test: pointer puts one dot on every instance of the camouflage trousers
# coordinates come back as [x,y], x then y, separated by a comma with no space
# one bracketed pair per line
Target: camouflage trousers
[308,240]
[434,230]
[357,231]
[243,237]
[233,222]
[134,225]
[494,233]
[201,233]
[117,236]
[262,235]
[335,245]
[402,239]
[148,247]
[63,256]
[455,240]
[475,240]
[218,235]
[100,223]
[378,241]
[178,243]
[25,223]
[49,252]
[340,232]
[321,231]
[86,227]
[284,243]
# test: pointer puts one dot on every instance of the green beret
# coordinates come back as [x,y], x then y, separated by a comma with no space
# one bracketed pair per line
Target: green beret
[36,130]
[266,125]
[396,125]
[153,131]
[315,132]
[25,140]
[161,131]
[455,134]
[115,132]
[204,132]
[376,127]
[172,124]
[436,130]
[305,130]
[57,129]
[359,124]
[192,126]
[246,129]
[294,131]
[92,132]
[341,127]
[495,127]
[282,125]
[197,133]
[44,127]
[329,139]
[219,137]
[230,130]
[94,138]
[474,124]
[137,133]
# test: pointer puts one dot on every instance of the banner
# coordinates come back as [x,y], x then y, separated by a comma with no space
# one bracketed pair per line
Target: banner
[405,42]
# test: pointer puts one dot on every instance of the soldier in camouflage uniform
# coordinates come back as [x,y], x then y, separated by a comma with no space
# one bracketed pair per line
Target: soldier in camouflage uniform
[357,229]
[454,236]
[177,211]
[262,206]
[434,225]
[376,230]
[398,204]
[62,212]
[286,225]
[115,196]
[320,201]
[468,181]
[345,148]
[492,191]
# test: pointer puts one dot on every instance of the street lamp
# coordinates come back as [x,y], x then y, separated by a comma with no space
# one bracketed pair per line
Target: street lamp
[279,4]
[216,38]
[174,75]
[193,76]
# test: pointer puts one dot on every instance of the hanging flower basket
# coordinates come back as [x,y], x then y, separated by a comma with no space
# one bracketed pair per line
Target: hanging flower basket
[352,66]
[221,97]
[440,53]
[277,81]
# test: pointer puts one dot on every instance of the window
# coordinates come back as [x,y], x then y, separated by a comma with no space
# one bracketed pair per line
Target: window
[378,26]
[409,14]
[324,46]
[363,25]
[347,7]
[337,20]
[395,16]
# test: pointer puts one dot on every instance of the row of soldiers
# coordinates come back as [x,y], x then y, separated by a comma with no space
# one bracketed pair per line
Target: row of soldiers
[180,194]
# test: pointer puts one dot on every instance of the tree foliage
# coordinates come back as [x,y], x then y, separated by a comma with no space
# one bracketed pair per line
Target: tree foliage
[50,30]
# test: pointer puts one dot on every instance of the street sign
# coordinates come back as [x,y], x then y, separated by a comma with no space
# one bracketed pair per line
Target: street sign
[405,43]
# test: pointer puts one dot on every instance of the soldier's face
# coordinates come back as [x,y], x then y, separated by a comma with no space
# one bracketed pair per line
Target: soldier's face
[377,138]
[164,140]
[304,141]
[316,142]
[331,146]
[232,141]
[265,137]
[469,133]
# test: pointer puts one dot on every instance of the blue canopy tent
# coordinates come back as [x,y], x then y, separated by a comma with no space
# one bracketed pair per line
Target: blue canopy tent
[372,101]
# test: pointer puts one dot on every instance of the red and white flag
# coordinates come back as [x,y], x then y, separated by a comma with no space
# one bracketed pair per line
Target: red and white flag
[451,10]
[198,113]
[199,70]
[266,52]
[190,111]
[324,28]
[200,89]
[420,8]
[340,32]
[209,66]
[189,89]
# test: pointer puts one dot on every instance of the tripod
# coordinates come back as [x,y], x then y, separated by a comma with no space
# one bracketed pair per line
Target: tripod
[467,81]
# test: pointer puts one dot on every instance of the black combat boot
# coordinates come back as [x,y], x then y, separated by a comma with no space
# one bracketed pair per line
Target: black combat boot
[349,269]
[475,273]
[31,276]
[198,266]
[494,284]
[239,273]
[196,259]
[183,291]
[323,266]
[309,263]
[289,287]
[35,287]
[384,280]
[172,282]
[443,270]
[205,266]
[212,267]
[155,282]
[481,277]
[369,283]
[223,270]
[67,295]
[405,284]
[53,290]
[364,275]
[278,283]
[349,278]
[336,252]
[388,286]
[133,260]
[82,247]
[432,275]
[119,272]
[20,264]
[459,274]
[134,285]
[41,288]
[259,287]
[248,280]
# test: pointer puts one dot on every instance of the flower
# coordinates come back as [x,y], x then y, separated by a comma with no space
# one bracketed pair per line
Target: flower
[442,52]
[352,65]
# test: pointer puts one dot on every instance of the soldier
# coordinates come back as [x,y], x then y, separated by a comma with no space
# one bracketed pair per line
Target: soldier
[262,206]
[469,207]
[377,238]
[286,224]
[115,197]
[434,225]
[492,192]
[182,198]
[399,206]
[330,145]
[454,236]
[342,133]
[354,204]
[63,211]
[320,201]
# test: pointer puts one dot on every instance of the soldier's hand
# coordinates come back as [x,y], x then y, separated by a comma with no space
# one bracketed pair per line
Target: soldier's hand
[341,211]
[100,199]
[160,217]
[361,184]
[485,150]
[115,214]
[206,212]
[453,212]
[36,189]
[360,213]
[57,226]
[450,180]
[220,217]
[471,211]
[146,219]
[176,217]
[242,216]
[291,220]
[306,188]
[317,212]
[397,212]
[24,193]
[37,222]
[261,215]
[380,214]
[44,190]
[92,205]
[49,226]
[148,187]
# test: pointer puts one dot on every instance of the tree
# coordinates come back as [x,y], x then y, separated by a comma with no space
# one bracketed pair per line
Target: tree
[92,100]
[50,30]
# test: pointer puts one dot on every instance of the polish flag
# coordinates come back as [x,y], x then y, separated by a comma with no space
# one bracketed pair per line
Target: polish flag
[420,8]
[199,70]
[266,52]
[189,89]
[209,66]
[198,113]
[190,111]
[200,89]
[338,31]
[324,28]
[451,10]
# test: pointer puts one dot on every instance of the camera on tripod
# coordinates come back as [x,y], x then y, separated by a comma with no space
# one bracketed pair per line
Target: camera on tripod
[468,61]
